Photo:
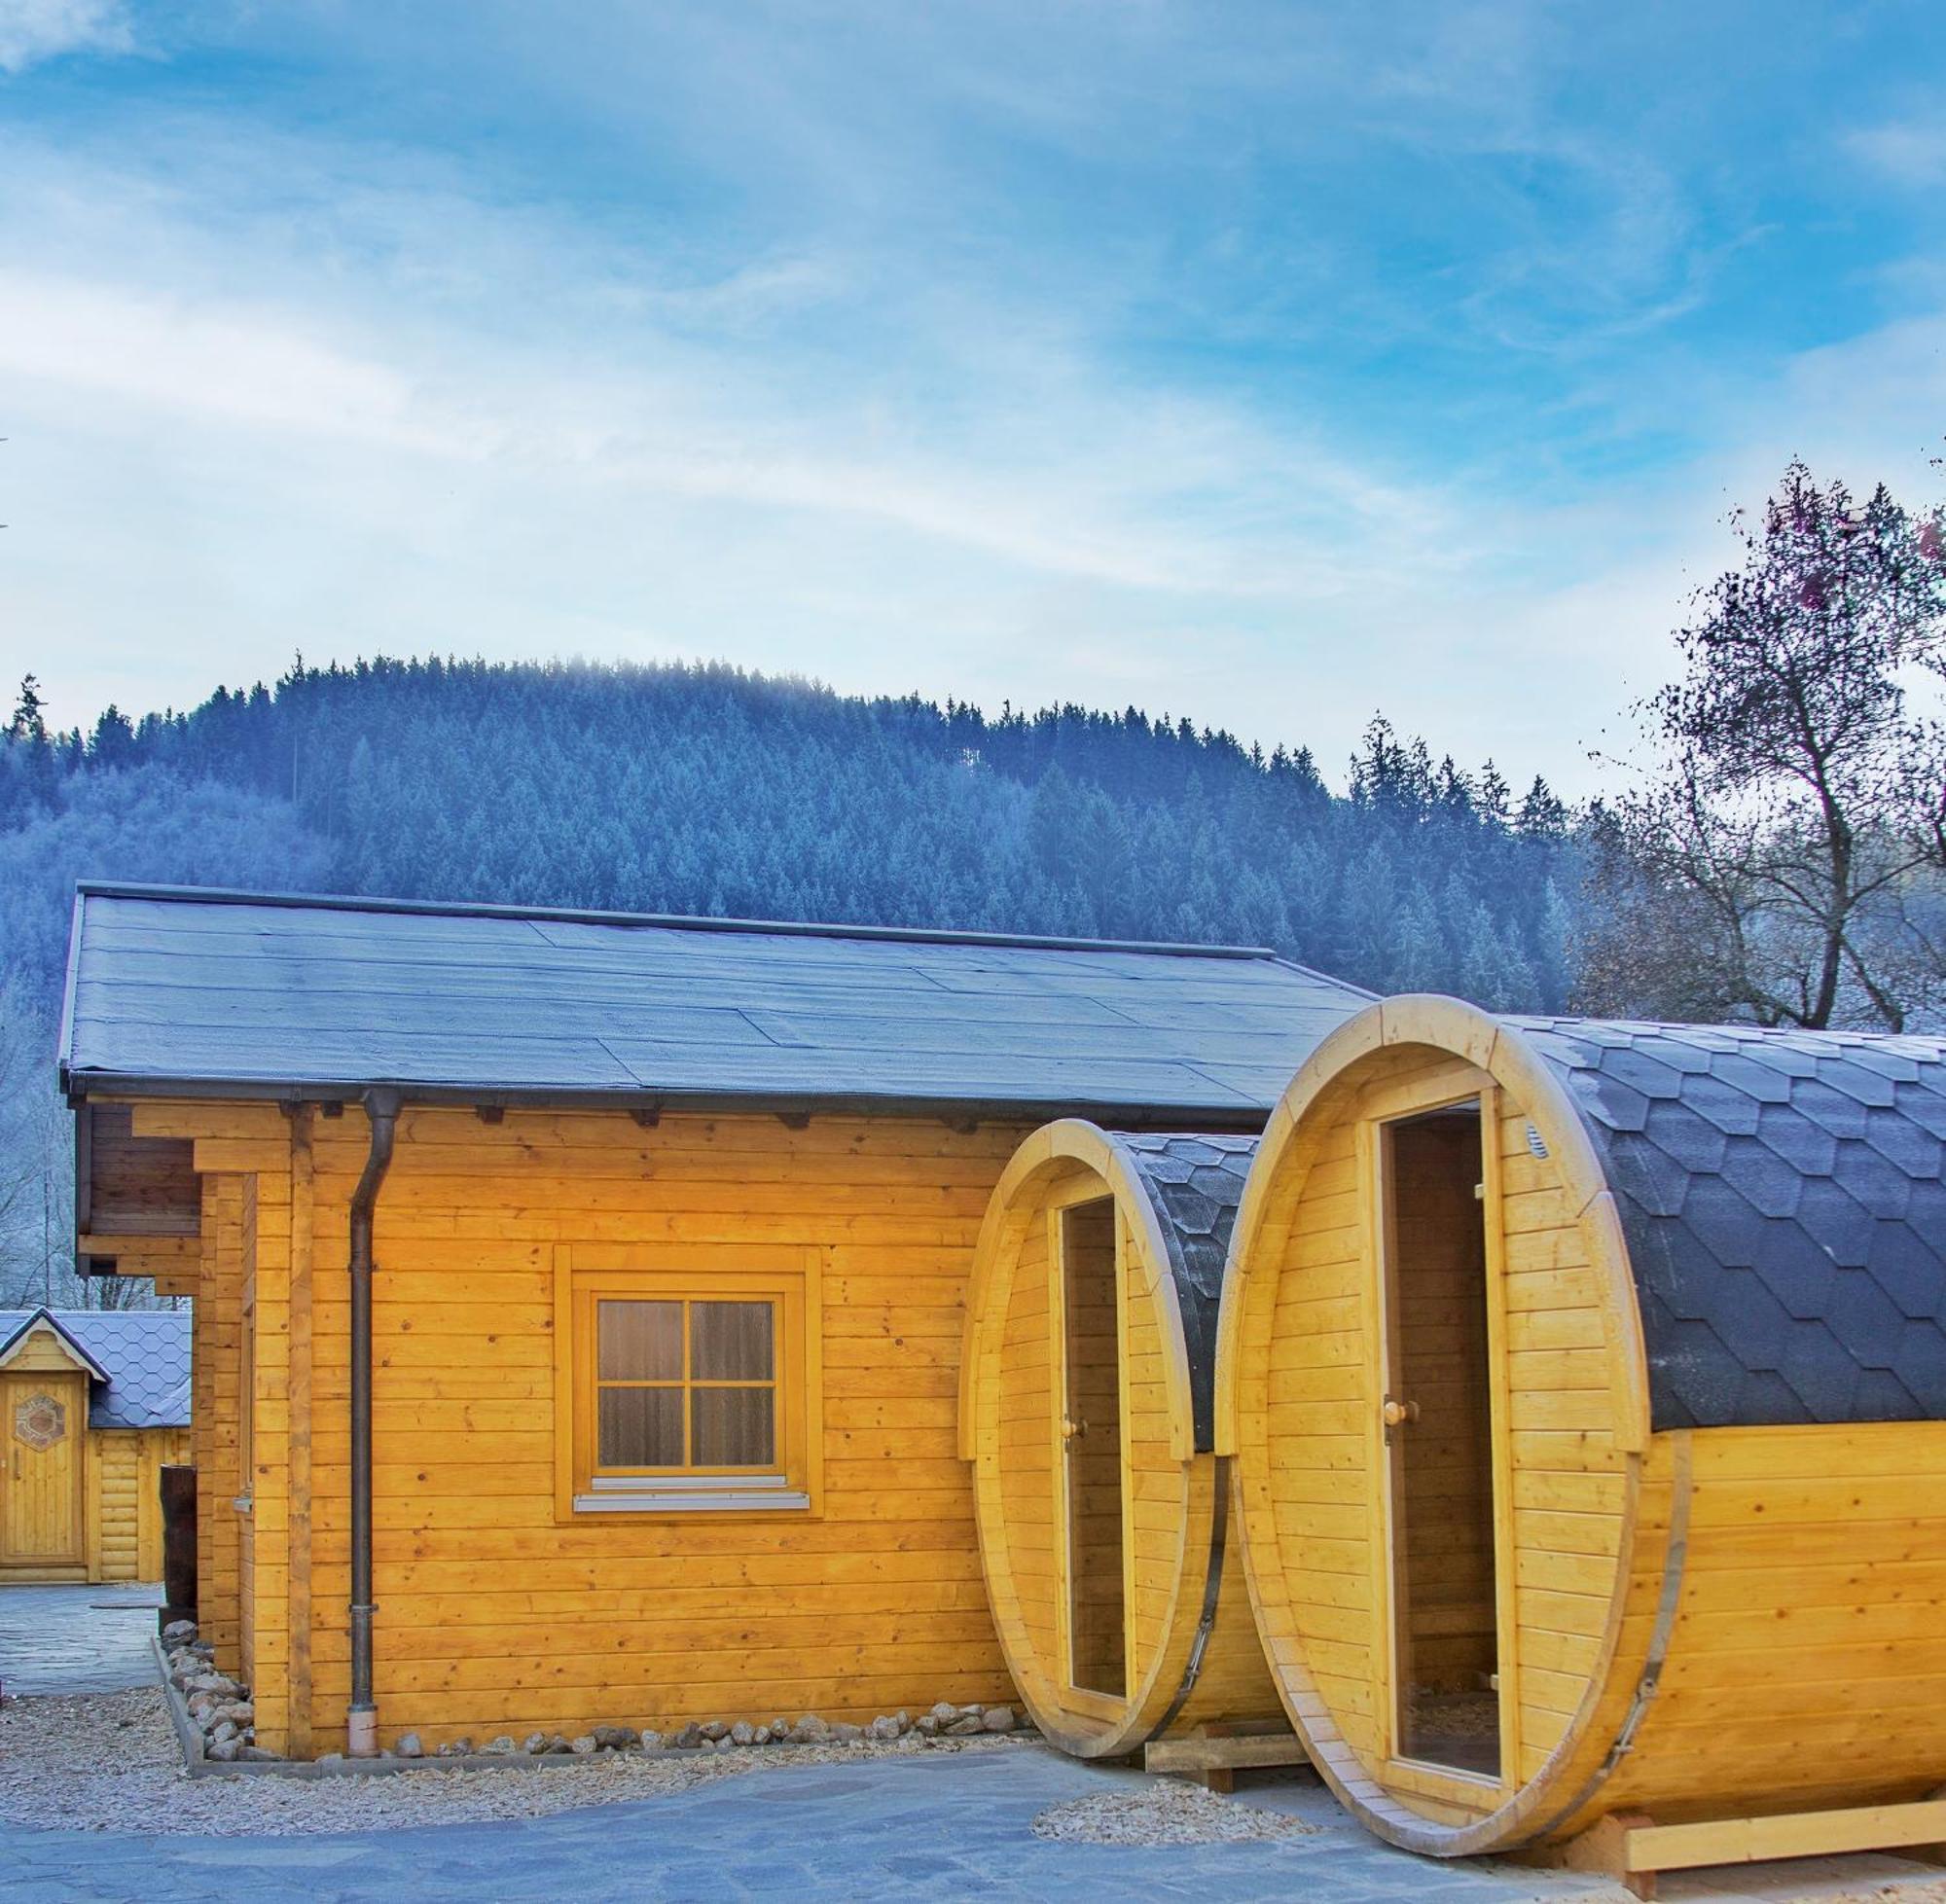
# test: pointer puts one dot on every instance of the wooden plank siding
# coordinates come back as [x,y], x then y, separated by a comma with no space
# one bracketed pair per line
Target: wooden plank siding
[1807,1665]
[496,1614]
[128,1487]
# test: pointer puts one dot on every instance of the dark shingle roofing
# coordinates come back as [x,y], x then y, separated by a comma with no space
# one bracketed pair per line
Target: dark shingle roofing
[1196,1184]
[243,993]
[144,1353]
[1782,1195]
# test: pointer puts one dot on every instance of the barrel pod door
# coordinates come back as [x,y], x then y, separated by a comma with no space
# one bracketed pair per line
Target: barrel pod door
[1583,1389]
[1086,1409]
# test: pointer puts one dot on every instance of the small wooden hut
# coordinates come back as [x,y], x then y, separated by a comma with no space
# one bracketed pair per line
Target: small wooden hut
[92,1403]
[1086,1408]
[1587,1384]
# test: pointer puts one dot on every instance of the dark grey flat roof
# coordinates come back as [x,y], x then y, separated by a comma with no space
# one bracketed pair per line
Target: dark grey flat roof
[174,990]
[1782,1195]
[141,1355]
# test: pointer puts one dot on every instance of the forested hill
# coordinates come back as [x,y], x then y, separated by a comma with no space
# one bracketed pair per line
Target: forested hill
[704,789]
[707,790]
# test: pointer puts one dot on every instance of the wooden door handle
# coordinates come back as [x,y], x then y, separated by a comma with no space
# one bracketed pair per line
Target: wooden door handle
[1397,1413]
[1070,1427]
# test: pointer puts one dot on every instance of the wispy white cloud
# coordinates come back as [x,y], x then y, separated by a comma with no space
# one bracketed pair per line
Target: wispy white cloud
[34,30]
[1910,152]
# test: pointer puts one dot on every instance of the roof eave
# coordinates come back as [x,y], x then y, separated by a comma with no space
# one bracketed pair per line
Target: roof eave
[1245,1118]
[54,1322]
[64,1041]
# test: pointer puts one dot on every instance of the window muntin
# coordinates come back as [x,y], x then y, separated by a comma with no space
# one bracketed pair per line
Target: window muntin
[685,1385]
[688,1382]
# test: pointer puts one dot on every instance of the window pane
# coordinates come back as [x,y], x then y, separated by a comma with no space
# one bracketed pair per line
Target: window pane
[730,1341]
[639,1341]
[639,1429]
[732,1429]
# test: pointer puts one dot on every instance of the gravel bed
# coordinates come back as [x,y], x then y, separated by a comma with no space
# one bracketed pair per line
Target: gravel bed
[1167,1811]
[109,1762]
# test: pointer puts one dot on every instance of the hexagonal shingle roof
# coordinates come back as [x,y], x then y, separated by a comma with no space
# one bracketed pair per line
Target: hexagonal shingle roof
[1196,1184]
[1782,1195]
[144,1353]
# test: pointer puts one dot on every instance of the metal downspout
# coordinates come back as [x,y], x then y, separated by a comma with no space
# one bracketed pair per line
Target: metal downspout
[382,1110]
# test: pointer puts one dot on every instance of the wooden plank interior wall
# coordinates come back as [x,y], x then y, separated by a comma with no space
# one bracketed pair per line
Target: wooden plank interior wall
[493,1617]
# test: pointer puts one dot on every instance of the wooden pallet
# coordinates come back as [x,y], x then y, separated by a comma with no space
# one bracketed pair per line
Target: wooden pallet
[1214,1755]
[1633,1848]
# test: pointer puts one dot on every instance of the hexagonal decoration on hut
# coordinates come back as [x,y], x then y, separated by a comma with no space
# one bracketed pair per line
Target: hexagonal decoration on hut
[40,1422]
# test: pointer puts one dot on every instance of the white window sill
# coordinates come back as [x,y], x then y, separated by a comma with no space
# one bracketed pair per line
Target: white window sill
[732,1501]
[620,1493]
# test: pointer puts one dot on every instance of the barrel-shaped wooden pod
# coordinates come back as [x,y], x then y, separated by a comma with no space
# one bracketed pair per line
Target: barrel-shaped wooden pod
[1086,1397]
[1585,1384]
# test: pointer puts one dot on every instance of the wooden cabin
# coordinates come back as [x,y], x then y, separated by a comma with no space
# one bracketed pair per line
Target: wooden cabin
[1087,1411]
[1587,1387]
[579,1298]
[94,1402]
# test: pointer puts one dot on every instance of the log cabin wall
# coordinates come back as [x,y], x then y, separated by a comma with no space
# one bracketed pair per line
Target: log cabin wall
[497,1612]
[127,1538]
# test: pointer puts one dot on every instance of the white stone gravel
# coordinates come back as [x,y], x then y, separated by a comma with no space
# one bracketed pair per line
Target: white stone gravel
[1167,1811]
[109,1762]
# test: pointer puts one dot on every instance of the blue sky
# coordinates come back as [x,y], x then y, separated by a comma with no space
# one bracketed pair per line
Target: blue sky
[1269,364]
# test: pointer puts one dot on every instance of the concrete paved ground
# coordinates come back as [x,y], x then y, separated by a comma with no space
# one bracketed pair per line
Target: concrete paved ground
[954,1826]
[76,1639]
[958,1824]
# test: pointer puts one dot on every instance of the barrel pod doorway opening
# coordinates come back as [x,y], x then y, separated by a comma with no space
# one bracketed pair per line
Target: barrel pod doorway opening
[1086,1401]
[1437,1420]
[1091,1551]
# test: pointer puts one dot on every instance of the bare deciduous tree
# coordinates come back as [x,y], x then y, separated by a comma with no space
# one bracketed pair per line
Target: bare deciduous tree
[1781,859]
